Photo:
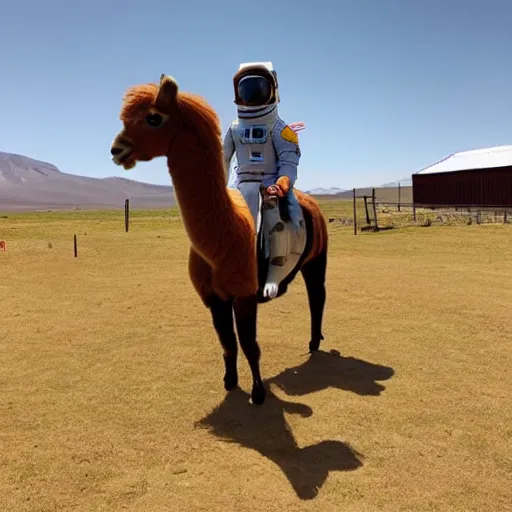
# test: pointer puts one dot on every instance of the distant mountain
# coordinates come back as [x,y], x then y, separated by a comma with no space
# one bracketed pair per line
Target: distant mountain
[404,182]
[340,192]
[28,184]
[325,191]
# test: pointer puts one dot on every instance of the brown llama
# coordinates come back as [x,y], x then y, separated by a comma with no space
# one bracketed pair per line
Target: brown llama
[224,265]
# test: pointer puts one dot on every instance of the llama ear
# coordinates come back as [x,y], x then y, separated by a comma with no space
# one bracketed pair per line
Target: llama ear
[167,92]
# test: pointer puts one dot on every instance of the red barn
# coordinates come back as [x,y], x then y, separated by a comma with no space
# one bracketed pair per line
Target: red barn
[481,177]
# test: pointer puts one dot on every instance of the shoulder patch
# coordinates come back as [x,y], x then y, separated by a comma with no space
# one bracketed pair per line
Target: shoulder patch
[289,135]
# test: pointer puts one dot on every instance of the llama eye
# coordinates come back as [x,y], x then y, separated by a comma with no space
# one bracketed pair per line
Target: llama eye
[154,120]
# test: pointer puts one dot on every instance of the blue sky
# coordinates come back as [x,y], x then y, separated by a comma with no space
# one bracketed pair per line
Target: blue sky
[385,87]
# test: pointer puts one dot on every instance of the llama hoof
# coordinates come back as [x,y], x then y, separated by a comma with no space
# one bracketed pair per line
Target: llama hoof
[314,345]
[258,394]
[230,382]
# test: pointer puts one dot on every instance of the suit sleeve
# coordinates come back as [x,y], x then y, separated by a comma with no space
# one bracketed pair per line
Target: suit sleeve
[229,149]
[286,144]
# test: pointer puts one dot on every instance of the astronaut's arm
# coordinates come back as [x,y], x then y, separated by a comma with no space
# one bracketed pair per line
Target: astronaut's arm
[229,149]
[286,144]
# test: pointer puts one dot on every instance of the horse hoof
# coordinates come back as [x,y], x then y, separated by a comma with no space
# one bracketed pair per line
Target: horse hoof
[258,394]
[230,383]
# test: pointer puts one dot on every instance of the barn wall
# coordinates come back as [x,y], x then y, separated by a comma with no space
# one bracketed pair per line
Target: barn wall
[491,187]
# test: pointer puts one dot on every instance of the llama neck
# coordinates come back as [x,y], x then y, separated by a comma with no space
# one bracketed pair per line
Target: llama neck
[205,206]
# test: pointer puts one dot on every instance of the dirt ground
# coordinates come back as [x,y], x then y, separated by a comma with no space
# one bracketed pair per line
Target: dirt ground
[111,395]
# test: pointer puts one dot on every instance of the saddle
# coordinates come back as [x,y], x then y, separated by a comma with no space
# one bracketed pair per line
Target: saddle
[281,245]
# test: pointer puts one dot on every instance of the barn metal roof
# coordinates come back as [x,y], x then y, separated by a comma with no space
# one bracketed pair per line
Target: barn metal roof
[499,156]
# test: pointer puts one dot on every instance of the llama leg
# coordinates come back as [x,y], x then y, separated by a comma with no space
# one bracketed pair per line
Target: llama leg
[314,276]
[222,316]
[246,319]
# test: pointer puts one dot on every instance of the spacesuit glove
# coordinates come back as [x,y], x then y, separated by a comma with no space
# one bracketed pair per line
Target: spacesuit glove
[284,183]
[275,190]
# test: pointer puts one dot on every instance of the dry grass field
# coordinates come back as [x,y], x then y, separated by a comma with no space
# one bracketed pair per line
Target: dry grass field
[111,395]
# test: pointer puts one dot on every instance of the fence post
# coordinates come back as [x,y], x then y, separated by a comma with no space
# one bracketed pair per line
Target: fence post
[368,221]
[354,210]
[126,215]
[399,195]
[414,212]
[505,217]
[376,220]
[75,246]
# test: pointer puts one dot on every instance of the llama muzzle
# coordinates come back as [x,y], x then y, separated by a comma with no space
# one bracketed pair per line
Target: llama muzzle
[121,151]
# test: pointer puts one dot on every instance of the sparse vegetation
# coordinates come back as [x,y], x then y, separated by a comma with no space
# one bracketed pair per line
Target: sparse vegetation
[341,211]
[111,395]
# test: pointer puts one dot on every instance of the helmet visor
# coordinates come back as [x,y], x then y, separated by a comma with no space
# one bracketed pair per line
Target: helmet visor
[254,91]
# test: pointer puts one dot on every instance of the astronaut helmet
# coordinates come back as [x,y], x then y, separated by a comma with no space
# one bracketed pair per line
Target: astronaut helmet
[256,86]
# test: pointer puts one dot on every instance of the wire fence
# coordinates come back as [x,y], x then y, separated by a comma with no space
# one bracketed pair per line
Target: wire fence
[376,209]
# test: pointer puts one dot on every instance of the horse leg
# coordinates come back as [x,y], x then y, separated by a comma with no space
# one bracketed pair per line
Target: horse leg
[246,309]
[222,316]
[314,276]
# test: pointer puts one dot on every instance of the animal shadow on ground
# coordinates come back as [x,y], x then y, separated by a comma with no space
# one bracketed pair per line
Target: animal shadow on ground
[324,370]
[266,430]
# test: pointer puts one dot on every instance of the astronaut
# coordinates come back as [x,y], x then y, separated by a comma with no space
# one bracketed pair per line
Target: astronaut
[266,148]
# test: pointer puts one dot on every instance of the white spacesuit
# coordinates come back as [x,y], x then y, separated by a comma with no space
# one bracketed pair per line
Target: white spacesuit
[266,148]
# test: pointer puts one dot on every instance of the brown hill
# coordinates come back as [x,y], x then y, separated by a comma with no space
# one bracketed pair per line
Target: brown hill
[28,184]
